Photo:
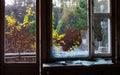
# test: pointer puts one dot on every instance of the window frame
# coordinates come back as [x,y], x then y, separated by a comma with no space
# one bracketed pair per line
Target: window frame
[17,68]
[100,16]
[38,27]
[49,34]
[46,34]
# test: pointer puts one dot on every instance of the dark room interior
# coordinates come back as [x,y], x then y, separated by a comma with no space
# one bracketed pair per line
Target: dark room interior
[59,37]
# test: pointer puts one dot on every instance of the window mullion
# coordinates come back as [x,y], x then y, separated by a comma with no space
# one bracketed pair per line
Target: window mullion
[102,15]
[90,32]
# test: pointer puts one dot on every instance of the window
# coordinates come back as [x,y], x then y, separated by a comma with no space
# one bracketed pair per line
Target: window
[101,27]
[80,29]
[20,31]
[19,36]
[70,28]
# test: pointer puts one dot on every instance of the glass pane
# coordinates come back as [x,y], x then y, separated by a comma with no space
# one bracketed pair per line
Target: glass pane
[70,28]
[101,36]
[20,31]
[101,6]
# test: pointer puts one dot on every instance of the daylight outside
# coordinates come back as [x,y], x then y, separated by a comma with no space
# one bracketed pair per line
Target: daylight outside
[70,28]
[101,28]
[20,31]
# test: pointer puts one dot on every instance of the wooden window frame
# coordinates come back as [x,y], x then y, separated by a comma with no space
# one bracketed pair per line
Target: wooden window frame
[17,67]
[101,16]
[46,33]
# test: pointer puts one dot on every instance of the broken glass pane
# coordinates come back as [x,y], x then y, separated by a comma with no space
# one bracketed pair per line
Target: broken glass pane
[70,28]
[101,36]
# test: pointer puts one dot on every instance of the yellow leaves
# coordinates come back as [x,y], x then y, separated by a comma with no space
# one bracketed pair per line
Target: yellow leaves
[34,46]
[8,33]
[13,23]
[24,24]
[10,20]
[55,35]
[18,31]
[53,41]
[63,42]
[76,43]
[29,11]
[58,44]
[26,21]
[19,27]
[26,18]
[73,47]
[60,36]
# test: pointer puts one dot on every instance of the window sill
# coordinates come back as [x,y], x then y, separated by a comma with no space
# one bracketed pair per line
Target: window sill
[79,63]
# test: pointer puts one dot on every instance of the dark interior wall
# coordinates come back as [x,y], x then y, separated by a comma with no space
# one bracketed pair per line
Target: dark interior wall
[118,28]
[43,30]
[115,21]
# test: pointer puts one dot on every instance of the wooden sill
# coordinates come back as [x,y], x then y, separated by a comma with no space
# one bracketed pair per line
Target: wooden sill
[60,66]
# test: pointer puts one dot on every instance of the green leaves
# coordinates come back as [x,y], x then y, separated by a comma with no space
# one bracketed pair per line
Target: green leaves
[81,15]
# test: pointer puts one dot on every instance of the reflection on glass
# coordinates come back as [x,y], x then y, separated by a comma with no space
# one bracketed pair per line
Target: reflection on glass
[102,38]
[101,6]
[20,31]
[70,28]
